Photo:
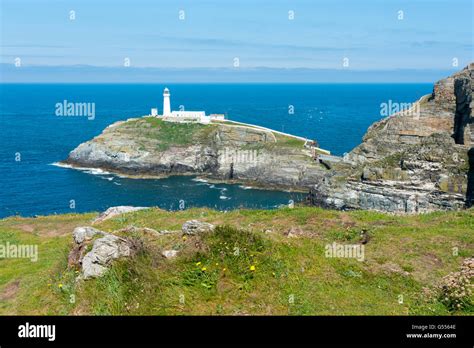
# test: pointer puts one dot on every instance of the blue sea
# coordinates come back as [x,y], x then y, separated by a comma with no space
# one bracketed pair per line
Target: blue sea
[32,138]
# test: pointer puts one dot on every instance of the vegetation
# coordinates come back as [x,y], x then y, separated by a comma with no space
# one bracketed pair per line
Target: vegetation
[183,134]
[289,141]
[269,262]
[168,133]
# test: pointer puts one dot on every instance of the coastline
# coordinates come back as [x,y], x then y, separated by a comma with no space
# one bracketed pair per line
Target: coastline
[243,184]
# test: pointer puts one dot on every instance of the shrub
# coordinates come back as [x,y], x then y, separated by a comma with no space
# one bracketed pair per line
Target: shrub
[455,290]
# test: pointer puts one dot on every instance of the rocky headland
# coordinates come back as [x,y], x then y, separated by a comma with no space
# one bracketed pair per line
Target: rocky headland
[418,160]
[221,151]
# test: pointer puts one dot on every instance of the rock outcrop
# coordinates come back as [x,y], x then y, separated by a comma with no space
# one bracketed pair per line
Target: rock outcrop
[82,234]
[94,251]
[150,147]
[169,254]
[104,251]
[115,211]
[419,160]
[193,227]
[105,248]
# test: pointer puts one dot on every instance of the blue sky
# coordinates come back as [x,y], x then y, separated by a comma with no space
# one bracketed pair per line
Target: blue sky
[213,33]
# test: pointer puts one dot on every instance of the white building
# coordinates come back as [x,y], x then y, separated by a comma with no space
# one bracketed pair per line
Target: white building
[166,102]
[183,116]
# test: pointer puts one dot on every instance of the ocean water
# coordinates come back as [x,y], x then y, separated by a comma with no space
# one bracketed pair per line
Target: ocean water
[32,137]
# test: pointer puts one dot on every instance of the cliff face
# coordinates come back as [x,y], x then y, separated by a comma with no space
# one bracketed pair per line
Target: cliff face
[150,147]
[414,161]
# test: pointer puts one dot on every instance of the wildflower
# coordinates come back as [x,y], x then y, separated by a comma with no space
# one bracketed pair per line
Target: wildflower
[203,269]
[252,268]
[184,237]
[198,263]
[60,286]
[224,269]
[217,264]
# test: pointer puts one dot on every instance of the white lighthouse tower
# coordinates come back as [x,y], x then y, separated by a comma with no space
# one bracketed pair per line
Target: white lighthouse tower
[166,102]
[183,116]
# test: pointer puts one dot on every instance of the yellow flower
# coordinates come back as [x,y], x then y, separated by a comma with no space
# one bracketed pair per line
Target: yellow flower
[252,268]
[60,285]
[203,269]
[184,237]
[198,263]
[217,264]
[224,269]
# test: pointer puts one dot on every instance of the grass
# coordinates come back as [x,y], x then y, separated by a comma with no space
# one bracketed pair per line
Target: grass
[182,134]
[168,133]
[247,266]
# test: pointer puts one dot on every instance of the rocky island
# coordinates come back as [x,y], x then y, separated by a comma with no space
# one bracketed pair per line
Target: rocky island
[414,161]
[151,147]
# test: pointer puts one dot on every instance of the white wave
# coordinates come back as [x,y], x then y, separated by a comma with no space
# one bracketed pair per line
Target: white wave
[246,187]
[224,197]
[61,165]
[93,171]
[200,180]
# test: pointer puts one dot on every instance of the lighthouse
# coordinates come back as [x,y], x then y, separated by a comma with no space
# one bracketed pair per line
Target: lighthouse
[183,116]
[166,102]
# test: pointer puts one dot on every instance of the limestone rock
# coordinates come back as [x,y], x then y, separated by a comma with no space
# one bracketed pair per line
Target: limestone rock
[81,234]
[169,254]
[194,227]
[114,211]
[411,162]
[104,250]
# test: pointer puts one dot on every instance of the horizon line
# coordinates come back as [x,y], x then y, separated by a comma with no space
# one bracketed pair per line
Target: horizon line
[49,74]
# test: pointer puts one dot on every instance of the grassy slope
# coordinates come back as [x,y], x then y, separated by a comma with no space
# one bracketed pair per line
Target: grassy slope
[166,133]
[286,268]
[184,134]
